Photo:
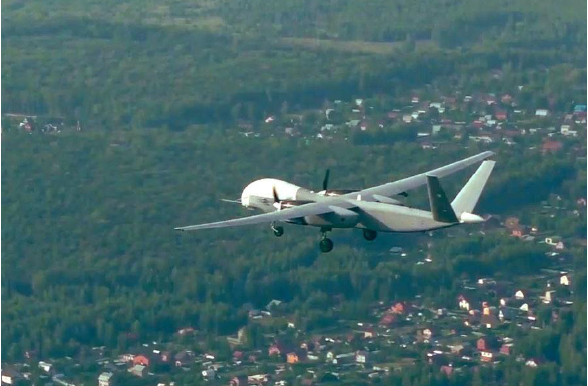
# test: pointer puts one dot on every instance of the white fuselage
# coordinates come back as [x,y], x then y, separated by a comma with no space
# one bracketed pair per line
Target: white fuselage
[373,215]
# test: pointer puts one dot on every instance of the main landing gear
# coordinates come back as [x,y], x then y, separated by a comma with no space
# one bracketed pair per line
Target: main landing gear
[326,244]
[369,235]
[278,230]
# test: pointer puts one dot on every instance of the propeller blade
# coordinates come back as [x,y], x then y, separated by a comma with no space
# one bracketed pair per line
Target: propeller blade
[275,193]
[326,180]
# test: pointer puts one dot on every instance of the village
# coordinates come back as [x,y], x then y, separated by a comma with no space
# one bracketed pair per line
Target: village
[478,328]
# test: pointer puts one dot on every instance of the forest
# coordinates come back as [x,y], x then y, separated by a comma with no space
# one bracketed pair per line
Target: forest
[219,61]
[90,257]
[91,234]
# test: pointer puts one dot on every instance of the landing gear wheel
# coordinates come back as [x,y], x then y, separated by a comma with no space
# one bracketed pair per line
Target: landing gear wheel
[369,235]
[278,231]
[326,245]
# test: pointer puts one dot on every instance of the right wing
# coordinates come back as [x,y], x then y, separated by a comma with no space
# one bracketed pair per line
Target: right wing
[397,187]
[314,208]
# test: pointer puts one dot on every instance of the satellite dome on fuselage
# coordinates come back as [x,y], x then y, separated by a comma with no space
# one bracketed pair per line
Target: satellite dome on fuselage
[263,189]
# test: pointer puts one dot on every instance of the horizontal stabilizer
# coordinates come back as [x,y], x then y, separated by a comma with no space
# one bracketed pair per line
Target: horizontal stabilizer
[468,196]
[440,206]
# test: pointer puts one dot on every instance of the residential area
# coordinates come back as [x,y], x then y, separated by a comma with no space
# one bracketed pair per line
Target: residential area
[480,326]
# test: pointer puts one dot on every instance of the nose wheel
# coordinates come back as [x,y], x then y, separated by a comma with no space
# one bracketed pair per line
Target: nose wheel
[369,235]
[278,230]
[326,244]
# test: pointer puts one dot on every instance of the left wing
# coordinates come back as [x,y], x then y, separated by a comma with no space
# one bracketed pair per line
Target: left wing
[314,208]
[400,186]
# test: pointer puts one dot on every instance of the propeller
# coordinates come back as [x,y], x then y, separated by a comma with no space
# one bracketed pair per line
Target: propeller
[326,179]
[275,193]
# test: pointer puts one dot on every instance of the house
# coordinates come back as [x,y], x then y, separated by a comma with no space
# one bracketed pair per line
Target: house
[519,295]
[555,241]
[533,362]
[518,232]
[10,376]
[511,223]
[353,123]
[138,370]
[551,146]
[392,115]
[549,296]
[567,131]
[237,355]
[488,310]
[240,380]
[401,308]
[328,127]
[541,112]
[296,356]
[464,304]
[456,349]
[369,333]
[208,373]
[344,358]
[487,343]
[486,356]
[427,333]
[46,367]
[312,356]
[506,348]
[105,379]
[258,379]
[186,331]
[387,319]
[489,321]
[362,356]
[277,349]
[501,115]
[506,99]
[273,304]
[564,280]
[486,281]
[447,370]
[182,358]
[141,360]
[482,138]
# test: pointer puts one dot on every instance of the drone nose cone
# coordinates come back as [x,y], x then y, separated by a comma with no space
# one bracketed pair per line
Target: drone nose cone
[470,218]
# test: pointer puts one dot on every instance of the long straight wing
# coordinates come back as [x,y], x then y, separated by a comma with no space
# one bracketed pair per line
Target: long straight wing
[418,180]
[281,215]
